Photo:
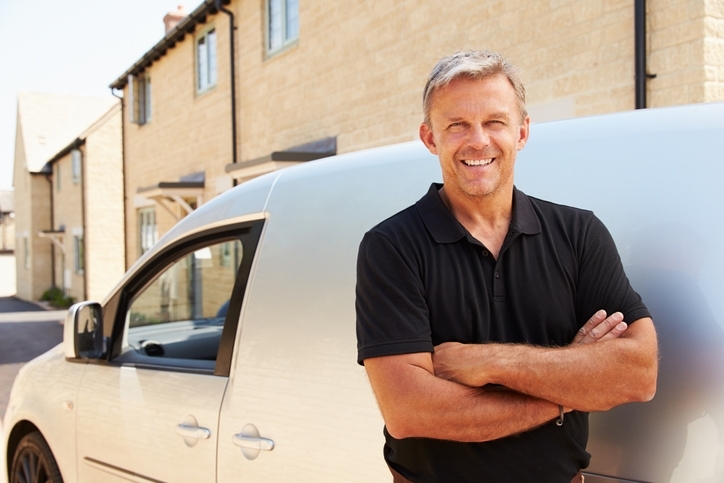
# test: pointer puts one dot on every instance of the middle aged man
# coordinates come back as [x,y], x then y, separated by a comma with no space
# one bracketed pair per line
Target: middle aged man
[482,312]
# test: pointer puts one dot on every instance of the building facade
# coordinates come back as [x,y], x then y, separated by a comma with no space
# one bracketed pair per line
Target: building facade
[86,182]
[7,221]
[313,78]
[47,124]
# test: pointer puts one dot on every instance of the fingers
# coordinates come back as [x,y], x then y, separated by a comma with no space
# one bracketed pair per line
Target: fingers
[599,327]
[591,324]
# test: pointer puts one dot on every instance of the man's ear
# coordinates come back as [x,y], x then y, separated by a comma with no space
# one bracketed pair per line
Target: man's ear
[523,133]
[427,138]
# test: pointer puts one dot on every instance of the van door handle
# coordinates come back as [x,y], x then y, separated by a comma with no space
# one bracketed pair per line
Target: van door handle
[251,443]
[254,443]
[192,432]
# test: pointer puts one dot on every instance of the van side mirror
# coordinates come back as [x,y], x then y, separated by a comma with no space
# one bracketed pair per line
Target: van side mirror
[83,332]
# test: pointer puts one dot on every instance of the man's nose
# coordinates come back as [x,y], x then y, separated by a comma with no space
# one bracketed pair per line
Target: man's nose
[479,137]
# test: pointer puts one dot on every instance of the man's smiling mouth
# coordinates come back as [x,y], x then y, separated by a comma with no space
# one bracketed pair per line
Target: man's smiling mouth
[478,162]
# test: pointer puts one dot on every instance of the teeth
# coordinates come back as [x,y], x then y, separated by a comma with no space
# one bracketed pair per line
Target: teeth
[478,162]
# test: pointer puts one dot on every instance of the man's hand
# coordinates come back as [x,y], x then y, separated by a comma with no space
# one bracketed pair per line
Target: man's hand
[455,362]
[599,327]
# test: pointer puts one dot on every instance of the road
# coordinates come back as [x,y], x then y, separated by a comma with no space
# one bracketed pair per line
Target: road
[26,331]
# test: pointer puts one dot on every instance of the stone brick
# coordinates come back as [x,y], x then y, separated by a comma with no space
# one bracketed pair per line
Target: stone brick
[714,8]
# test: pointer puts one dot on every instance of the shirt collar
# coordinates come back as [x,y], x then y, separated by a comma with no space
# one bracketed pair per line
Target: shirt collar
[445,228]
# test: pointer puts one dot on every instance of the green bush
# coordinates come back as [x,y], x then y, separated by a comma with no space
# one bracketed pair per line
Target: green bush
[55,296]
[51,294]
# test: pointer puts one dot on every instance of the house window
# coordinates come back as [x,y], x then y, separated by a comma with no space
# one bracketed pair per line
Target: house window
[147,230]
[79,252]
[75,165]
[228,255]
[57,177]
[26,253]
[139,102]
[282,24]
[206,61]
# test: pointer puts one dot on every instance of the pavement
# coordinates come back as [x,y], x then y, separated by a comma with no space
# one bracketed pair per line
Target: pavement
[24,336]
[27,329]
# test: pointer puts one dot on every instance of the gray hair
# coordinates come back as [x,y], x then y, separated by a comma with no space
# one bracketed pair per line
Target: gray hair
[472,64]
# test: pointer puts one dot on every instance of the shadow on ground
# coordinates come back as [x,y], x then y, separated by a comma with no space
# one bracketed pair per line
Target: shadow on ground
[23,341]
[19,343]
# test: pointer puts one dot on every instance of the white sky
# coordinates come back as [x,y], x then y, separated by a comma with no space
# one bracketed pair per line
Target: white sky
[70,47]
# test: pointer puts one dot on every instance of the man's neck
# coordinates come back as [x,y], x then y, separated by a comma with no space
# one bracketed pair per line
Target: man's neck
[486,218]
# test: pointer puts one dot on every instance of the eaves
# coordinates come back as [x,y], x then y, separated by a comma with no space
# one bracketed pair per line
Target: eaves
[177,34]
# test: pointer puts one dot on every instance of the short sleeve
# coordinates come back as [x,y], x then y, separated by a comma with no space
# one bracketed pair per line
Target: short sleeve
[392,313]
[602,282]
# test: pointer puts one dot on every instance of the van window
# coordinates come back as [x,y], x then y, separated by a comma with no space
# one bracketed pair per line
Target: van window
[181,313]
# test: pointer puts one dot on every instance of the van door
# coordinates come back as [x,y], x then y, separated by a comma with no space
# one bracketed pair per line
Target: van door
[298,407]
[151,413]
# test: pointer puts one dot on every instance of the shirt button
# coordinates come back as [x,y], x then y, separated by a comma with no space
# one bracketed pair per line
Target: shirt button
[497,274]
[485,253]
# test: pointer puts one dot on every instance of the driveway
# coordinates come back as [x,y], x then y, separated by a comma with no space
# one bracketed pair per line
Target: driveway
[26,331]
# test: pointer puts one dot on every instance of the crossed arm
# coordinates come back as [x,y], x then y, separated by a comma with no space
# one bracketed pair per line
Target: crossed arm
[443,395]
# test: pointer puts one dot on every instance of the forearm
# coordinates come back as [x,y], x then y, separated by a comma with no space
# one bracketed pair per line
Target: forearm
[590,377]
[415,403]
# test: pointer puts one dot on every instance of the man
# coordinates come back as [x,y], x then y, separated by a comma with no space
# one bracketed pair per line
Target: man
[482,312]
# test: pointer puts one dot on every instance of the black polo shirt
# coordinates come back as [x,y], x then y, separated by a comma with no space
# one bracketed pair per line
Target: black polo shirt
[422,279]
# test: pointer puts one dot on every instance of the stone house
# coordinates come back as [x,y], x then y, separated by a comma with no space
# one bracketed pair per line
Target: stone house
[46,125]
[7,221]
[242,87]
[87,210]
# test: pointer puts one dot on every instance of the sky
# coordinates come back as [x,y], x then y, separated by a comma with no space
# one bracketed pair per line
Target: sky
[70,47]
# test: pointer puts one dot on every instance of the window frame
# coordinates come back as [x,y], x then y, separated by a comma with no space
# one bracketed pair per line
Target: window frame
[26,253]
[211,70]
[139,98]
[286,40]
[147,210]
[114,311]
[79,254]
[76,157]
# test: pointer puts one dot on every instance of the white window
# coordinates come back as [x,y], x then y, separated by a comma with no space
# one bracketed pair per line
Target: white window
[147,231]
[139,102]
[282,24]
[75,158]
[26,253]
[206,61]
[79,253]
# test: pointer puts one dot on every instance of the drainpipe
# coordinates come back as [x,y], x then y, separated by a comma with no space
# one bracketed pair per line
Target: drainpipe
[221,8]
[640,53]
[52,227]
[84,221]
[123,165]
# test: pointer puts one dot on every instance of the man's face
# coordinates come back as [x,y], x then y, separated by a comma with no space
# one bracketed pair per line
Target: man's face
[476,130]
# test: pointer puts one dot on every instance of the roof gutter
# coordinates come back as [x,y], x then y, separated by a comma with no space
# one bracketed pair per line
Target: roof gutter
[177,34]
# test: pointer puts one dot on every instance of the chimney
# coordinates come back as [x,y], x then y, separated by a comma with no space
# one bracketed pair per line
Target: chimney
[173,18]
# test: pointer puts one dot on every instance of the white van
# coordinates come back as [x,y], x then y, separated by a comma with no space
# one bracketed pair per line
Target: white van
[228,352]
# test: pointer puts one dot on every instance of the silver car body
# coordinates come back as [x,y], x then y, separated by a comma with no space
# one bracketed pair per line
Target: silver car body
[652,176]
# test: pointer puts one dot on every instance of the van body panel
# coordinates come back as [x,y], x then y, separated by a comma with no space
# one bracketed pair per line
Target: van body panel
[654,178]
[296,378]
